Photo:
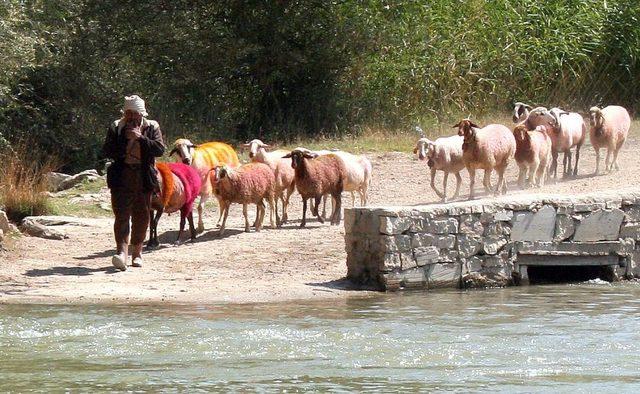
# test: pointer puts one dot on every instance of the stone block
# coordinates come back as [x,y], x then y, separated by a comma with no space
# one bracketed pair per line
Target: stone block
[590,207]
[471,225]
[448,256]
[503,216]
[391,262]
[564,228]
[539,226]
[412,278]
[469,245]
[439,241]
[630,230]
[407,260]
[395,243]
[443,275]
[496,229]
[632,213]
[426,255]
[603,248]
[599,226]
[395,225]
[492,245]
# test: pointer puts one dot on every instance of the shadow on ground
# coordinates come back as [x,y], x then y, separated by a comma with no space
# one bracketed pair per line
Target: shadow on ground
[69,271]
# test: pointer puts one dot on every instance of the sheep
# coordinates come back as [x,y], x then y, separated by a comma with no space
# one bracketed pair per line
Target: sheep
[248,184]
[609,129]
[444,154]
[204,158]
[179,186]
[316,176]
[358,175]
[568,131]
[533,153]
[520,112]
[284,174]
[486,148]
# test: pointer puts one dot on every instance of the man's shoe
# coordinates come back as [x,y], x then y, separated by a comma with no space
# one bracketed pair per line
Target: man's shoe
[137,262]
[119,261]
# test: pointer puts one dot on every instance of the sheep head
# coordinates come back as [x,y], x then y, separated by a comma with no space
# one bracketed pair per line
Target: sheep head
[538,116]
[556,113]
[595,115]
[254,146]
[466,129]
[425,148]
[298,155]
[183,148]
[520,112]
[521,133]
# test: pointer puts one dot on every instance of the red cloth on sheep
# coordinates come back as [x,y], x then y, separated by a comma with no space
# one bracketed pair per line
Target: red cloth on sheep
[192,184]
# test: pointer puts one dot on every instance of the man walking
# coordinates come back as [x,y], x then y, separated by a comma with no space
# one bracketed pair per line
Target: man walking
[133,142]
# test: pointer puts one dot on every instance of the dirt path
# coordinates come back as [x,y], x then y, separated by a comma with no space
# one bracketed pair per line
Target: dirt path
[273,265]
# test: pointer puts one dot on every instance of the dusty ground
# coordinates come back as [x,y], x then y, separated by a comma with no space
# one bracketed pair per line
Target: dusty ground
[273,265]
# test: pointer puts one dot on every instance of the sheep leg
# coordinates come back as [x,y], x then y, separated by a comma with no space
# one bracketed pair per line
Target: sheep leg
[153,228]
[458,183]
[554,164]
[444,186]
[324,207]
[597,160]
[225,211]
[615,159]
[607,167]
[533,170]
[472,182]
[272,208]
[501,182]
[285,207]
[245,212]
[315,212]
[433,184]
[566,164]
[203,200]
[192,228]
[575,167]
[304,212]
[353,199]
[261,210]
[183,220]
[486,181]
[337,209]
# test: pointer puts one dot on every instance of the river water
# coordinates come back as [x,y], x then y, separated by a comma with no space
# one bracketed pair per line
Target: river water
[583,337]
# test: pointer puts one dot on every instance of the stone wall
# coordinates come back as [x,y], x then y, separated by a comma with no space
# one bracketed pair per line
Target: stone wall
[490,242]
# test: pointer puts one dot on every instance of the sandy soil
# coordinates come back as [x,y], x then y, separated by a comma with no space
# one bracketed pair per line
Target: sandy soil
[272,265]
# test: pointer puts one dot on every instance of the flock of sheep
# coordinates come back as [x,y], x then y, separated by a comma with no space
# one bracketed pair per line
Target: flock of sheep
[213,168]
[539,136]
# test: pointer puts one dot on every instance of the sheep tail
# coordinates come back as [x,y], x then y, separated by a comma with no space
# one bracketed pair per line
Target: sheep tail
[167,182]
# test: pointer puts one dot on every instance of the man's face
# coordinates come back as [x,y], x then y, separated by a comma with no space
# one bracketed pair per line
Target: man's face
[132,117]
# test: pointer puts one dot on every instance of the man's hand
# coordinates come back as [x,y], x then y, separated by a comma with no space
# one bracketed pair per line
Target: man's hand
[133,133]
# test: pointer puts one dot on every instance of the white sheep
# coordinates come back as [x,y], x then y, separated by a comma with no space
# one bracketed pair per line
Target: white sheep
[609,129]
[533,154]
[520,112]
[281,167]
[488,148]
[444,154]
[568,131]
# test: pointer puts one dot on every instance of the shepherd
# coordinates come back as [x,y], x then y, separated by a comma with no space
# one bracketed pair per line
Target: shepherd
[133,142]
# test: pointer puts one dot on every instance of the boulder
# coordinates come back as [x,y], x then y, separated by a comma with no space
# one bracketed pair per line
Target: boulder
[5,225]
[35,229]
[64,183]
[56,179]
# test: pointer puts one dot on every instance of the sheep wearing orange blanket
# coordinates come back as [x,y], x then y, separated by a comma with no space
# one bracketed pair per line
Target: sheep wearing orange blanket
[180,184]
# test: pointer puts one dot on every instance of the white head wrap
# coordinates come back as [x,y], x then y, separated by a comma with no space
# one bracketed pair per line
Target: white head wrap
[135,103]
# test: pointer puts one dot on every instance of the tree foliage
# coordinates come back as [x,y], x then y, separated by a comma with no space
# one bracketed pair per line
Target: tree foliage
[280,69]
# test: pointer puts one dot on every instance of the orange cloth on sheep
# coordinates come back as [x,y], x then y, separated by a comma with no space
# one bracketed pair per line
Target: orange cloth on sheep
[167,182]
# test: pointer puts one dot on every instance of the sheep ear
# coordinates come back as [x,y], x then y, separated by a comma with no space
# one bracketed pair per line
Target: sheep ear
[310,155]
[457,125]
[287,156]
[192,146]
[474,125]
[265,145]
[174,150]
[527,106]
[244,145]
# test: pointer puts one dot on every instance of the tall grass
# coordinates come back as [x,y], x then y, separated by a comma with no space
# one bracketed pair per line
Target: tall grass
[23,182]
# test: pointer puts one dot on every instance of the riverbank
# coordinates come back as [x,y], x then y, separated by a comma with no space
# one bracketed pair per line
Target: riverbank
[273,265]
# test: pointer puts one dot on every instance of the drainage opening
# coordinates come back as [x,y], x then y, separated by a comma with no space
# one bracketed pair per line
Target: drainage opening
[567,274]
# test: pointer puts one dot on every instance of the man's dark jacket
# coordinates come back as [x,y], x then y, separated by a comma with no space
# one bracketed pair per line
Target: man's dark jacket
[151,146]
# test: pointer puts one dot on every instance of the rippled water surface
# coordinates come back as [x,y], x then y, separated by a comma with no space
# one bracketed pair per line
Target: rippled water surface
[545,338]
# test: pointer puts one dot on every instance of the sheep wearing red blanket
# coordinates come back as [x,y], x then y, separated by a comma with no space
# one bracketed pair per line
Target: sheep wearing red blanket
[179,186]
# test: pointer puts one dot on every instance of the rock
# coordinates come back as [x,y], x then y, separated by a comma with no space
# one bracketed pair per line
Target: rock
[36,229]
[632,213]
[503,216]
[56,179]
[439,241]
[86,198]
[391,262]
[4,222]
[492,245]
[106,206]
[469,245]
[73,180]
[564,228]
[395,225]
[412,278]
[59,220]
[443,275]
[539,226]
[630,230]
[426,255]
[600,226]
[443,226]
[471,225]
[395,243]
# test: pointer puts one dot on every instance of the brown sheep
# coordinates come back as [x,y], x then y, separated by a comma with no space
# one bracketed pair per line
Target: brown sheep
[317,176]
[533,153]
[248,184]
